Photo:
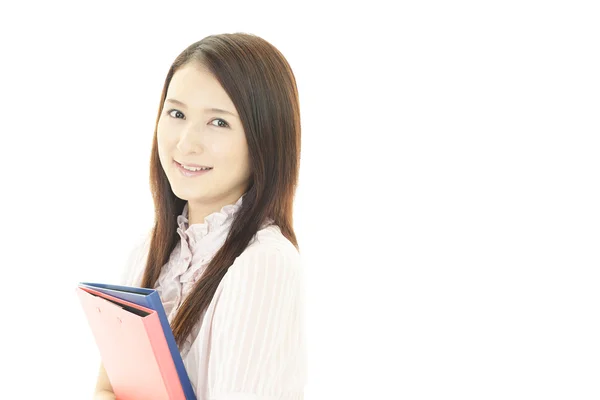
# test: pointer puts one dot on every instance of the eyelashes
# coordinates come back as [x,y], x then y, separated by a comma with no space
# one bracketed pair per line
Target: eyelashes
[170,111]
[226,124]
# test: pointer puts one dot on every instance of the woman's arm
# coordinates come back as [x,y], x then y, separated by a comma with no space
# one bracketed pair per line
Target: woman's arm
[104,390]
[257,338]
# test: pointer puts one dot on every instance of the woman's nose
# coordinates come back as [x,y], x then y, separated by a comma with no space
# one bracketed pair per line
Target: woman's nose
[190,140]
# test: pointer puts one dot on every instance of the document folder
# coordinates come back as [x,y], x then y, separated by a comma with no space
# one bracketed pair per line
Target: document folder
[133,348]
[149,298]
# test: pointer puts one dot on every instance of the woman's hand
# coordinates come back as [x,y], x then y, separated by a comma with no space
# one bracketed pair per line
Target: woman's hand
[104,395]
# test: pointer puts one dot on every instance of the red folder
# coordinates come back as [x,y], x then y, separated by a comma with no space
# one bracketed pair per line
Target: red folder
[132,346]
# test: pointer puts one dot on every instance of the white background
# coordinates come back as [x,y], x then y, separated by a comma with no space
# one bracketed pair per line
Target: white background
[448,208]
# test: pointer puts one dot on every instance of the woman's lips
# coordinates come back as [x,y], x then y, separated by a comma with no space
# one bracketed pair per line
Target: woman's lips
[188,173]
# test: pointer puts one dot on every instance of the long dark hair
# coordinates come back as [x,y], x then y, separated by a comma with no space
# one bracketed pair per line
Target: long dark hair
[262,86]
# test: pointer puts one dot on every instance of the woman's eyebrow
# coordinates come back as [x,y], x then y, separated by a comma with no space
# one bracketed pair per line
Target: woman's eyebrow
[219,110]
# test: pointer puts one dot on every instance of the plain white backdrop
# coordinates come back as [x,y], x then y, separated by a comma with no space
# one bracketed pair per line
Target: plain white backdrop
[448,207]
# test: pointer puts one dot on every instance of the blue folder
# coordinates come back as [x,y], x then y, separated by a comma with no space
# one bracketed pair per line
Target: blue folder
[149,298]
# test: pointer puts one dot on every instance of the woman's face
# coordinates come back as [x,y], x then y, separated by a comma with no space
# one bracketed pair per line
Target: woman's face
[192,131]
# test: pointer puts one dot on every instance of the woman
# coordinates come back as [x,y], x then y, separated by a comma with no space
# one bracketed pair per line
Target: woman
[222,252]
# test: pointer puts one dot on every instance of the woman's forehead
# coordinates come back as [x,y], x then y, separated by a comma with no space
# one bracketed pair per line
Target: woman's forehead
[196,89]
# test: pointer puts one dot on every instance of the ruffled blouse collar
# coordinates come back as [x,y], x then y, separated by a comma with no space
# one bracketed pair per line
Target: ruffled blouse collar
[200,242]
[212,223]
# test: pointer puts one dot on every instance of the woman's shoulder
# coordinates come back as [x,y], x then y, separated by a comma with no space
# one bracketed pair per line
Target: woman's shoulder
[270,246]
[136,260]
[269,259]
[269,239]
[141,245]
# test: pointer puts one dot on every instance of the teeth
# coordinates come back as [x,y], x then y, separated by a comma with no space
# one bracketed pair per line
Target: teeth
[194,169]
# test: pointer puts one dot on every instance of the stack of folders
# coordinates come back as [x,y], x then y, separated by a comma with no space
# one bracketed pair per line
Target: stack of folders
[136,343]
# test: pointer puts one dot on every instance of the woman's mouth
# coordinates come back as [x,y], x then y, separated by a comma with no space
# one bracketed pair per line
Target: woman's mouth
[191,171]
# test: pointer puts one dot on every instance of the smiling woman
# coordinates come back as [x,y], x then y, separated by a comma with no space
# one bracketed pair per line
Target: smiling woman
[222,253]
[197,135]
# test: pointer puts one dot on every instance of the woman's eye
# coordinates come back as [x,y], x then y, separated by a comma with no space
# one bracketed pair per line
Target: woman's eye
[170,111]
[221,123]
[224,125]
